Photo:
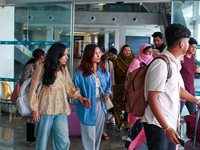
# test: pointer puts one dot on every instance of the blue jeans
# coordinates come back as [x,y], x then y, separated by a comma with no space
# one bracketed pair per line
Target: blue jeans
[192,107]
[58,125]
[156,139]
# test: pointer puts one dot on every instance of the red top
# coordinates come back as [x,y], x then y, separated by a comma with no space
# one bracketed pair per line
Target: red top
[187,73]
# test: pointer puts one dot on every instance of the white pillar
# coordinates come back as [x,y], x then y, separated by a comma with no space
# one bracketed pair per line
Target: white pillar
[196,18]
[7,18]
[94,39]
[106,41]
[122,36]
[49,34]
[57,35]
[116,40]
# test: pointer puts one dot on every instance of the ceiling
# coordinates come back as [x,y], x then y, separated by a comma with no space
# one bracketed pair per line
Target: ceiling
[84,29]
[136,30]
[17,2]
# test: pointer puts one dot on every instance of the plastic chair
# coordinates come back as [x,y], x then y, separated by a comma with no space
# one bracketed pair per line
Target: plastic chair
[8,89]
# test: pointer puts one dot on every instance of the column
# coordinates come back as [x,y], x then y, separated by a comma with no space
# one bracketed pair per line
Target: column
[122,36]
[56,34]
[106,41]
[7,18]
[92,39]
[116,40]
[49,34]
[196,18]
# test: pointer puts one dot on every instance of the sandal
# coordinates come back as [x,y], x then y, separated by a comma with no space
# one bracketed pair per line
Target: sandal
[127,129]
[30,144]
[105,137]
[119,129]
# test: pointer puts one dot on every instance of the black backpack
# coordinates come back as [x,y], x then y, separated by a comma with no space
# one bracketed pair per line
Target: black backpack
[134,132]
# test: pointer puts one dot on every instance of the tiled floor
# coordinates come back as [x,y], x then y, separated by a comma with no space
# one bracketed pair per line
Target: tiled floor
[13,136]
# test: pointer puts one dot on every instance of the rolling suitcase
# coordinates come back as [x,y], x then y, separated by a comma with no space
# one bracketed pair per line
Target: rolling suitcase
[73,121]
[193,144]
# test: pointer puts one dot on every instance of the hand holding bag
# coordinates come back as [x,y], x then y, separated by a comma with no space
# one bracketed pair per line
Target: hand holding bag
[109,103]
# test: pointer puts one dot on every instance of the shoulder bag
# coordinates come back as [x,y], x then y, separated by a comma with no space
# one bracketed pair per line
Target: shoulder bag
[109,103]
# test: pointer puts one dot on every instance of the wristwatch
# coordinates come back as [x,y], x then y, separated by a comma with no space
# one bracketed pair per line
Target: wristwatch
[198,102]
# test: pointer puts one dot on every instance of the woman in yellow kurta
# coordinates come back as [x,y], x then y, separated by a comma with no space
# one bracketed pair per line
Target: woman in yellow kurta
[51,108]
[121,64]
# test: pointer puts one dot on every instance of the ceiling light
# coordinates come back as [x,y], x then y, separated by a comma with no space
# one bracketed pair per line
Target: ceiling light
[102,4]
[79,32]
[95,32]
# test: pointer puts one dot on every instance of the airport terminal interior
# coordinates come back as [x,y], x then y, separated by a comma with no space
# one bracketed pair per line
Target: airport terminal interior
[27,25]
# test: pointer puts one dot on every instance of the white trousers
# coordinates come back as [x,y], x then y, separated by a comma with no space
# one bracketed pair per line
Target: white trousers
[91,135]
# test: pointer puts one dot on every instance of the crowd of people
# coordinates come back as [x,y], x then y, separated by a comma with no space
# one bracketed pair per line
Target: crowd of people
[102,75]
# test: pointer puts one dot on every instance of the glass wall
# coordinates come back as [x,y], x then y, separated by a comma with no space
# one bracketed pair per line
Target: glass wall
[39,27]
[187,13]
[25,28]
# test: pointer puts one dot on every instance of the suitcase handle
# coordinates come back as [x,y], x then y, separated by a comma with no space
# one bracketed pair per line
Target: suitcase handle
[196,126]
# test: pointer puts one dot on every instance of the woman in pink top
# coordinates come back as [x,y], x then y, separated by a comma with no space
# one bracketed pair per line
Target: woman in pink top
[143,55]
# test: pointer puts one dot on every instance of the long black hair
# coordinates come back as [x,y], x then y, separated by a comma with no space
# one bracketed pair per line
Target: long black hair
[103,57]
[52,64]
[37,53]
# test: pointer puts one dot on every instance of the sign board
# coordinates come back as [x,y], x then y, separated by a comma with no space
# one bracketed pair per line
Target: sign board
[80,7]
[78,37]
[96,7]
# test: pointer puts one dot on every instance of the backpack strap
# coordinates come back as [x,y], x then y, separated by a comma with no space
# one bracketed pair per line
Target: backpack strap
[165,58]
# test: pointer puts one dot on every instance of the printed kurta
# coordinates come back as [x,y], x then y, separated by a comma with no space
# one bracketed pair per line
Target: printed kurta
[52,99]
[109,66]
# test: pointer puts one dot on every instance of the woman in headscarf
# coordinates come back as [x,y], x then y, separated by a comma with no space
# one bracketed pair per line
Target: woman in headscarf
[143,55]
[121,64]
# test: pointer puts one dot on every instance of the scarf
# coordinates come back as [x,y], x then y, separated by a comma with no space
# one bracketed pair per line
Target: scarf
[121,64]
[140,57]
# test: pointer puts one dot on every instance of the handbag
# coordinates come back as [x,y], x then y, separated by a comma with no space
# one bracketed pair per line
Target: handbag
[109,103]
[15,93]
[23,97]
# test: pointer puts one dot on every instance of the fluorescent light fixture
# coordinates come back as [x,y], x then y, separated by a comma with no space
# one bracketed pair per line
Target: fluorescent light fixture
[102,4]
[79,32]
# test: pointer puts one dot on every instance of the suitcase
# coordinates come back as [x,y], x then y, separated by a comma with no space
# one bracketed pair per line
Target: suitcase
[193,145]
[73,122]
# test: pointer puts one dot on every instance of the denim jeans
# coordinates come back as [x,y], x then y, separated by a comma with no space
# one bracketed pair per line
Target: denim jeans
[192,107]
[156,139]
[58,125]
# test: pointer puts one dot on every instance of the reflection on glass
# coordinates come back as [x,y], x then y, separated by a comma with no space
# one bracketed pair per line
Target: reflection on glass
[40,26]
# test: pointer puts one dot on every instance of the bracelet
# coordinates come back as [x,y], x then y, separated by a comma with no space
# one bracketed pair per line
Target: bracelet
[166,129]
[198,102]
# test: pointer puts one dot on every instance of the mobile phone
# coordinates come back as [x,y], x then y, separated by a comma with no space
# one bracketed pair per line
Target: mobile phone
[182,142]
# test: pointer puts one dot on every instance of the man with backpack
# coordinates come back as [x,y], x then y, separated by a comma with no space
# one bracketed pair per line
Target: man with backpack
[161,117]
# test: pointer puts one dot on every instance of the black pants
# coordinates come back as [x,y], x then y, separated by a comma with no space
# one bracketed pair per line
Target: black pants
[30,129]
[156,139]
